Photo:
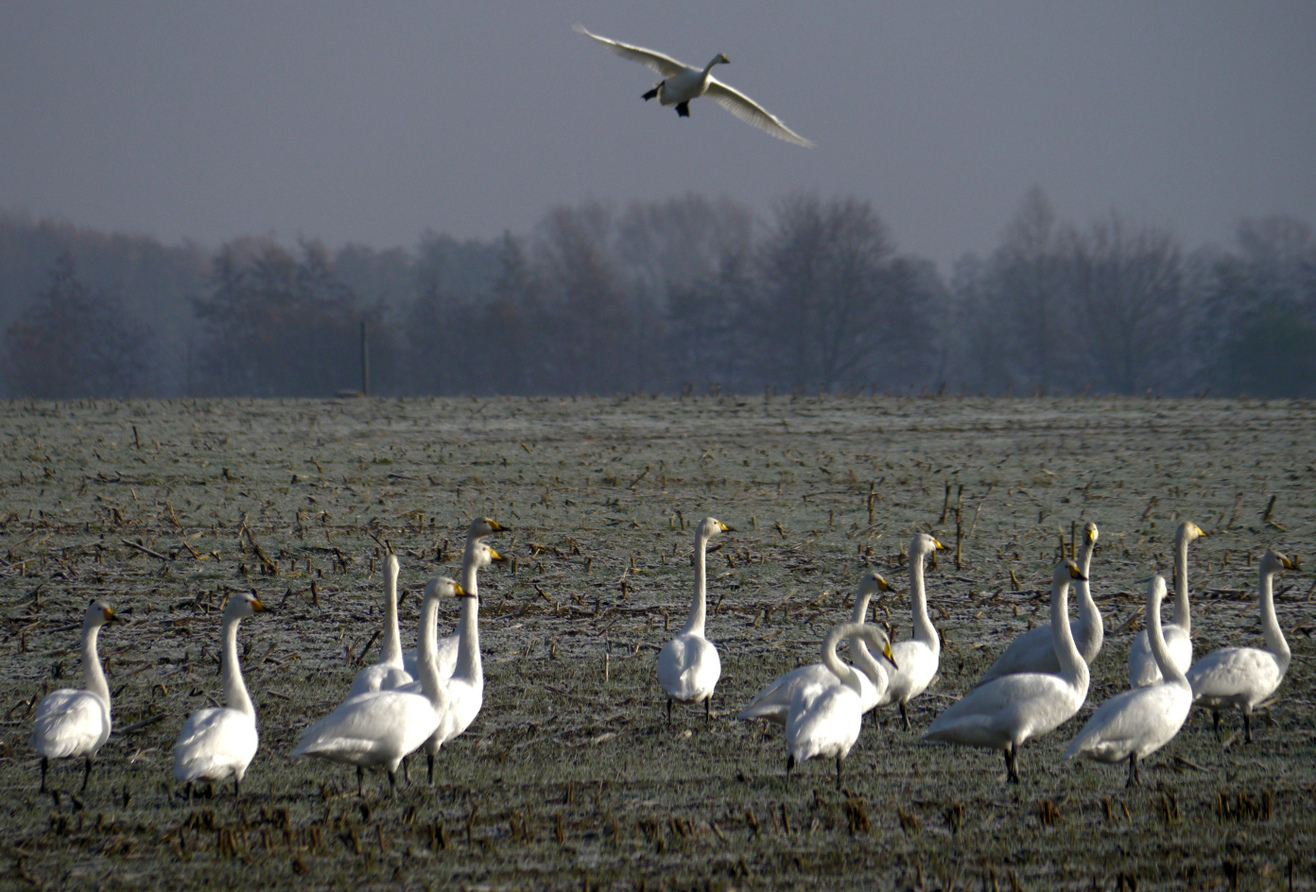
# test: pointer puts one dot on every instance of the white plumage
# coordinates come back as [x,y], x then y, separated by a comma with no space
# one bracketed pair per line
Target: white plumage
[220,742]
[1143,668]
[919,657]
[389,672]
[688,667]
[477,555]
[73,722]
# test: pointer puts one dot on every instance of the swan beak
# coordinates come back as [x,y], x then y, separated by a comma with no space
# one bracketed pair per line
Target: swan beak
[496,526]
[111,616]
[883,585]
[725,60]
[1076,573]
[886,652]
[496,557]
[724,528]
[460,592]
[1288,564]
[257,606]
[939,546]
[1091,534]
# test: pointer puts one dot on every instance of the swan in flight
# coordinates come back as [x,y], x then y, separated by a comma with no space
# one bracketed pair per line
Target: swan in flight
[384,727]
[1137,723]
[1033,651]
[220,742]
[1009,711]
[681,83]
[824,720]
[1242,677]
[688,667]
[920,656]
[74,722]
[773,702]
[1143,667]
[388,673]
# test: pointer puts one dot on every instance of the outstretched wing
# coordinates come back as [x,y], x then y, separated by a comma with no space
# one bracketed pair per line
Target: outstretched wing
[656,62]
[752,113]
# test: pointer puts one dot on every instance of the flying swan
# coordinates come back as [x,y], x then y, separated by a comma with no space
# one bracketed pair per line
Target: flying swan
[681,83]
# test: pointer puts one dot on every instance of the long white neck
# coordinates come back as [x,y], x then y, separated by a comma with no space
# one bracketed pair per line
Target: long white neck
[1170,670]
[1182,614]
[235,690]
[468,626]
[426,658]
[847,674]
[1090,631]
[923,630]
[1274,635]
[391,650]
[708,69]
[1072,668]
[93,678]
[694,624]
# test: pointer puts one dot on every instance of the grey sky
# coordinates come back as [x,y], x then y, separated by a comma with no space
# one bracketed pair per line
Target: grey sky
[371,122]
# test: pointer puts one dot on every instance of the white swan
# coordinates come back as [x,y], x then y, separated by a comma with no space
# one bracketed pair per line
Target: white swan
[1033,651]
[220,742]
[1137,723]
[688,667]
[1242,677]
[920,656]
[389,672]
[681,83]
[825,719]
[1178,634]
[383,727]
[476,557]
[773,702]
[1009,711]
[75,722]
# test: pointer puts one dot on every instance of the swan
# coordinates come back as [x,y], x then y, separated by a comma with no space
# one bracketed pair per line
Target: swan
[1138,722]
[219,742]
[688,667]
[383,727]
[1178,634]
[476,558]
[74,722]
[681,83]
[1009,711]
[920,656]
[824,720]
[773,702]
[1033,651]
[389,672]
[1241,677]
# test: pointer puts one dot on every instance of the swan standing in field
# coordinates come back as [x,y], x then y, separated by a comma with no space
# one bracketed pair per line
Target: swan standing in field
[688,667]
[1137,723]
[74,722]
[220,742]
[388,673]
[920,656]
[1143,668]
[824,720]
[1009,711]
[383,727]
[1242,677]
[1033,651]
[681,83]
[773,702]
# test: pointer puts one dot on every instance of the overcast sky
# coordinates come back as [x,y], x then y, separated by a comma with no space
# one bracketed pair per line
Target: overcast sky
[372,122]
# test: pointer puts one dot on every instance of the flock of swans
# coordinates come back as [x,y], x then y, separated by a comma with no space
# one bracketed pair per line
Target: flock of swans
[425,698]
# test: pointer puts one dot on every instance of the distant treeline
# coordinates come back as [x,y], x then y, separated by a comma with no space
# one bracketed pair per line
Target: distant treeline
[687,294]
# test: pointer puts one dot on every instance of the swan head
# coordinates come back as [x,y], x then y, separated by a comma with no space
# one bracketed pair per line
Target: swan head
[1272,562]
[1067,571]
[484,526]
[485,554]
[391,566]
[444,587]
[243,605]
[922,544]
[710,527]
[871,583]
[1155,593]
[98,614]
[880,640]
[1090,532]
[1188,532]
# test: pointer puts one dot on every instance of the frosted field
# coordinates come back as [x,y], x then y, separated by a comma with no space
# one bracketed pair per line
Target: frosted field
[570,778]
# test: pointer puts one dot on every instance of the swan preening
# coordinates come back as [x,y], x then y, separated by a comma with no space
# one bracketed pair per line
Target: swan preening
[1007,712]
[919,657]
[1143,667]
[73,722]
[1242,677]
[1034,650]
[681,83]
[220,742]
[381,728]
[773,701]
[824,719]
[688,667]
[1133,725]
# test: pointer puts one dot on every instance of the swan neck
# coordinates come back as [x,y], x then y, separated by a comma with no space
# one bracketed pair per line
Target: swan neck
[468,625]
[426,657]
[235,690]
[694,624]
[1072,667]
[1090,631]
[845,673]
[923,629]
[1182,613]
[1274,635]
[391,649]
[1170,670]
[93,677]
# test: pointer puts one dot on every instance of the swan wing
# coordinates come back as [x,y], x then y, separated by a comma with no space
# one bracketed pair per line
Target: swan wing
[214,744]
[656,62]
[773,702]
[371,728]
[1235,672]
[379,677]
[70,723]
[1138,721]
[752,113]
[824,724]
[1143,670]
[1033,651]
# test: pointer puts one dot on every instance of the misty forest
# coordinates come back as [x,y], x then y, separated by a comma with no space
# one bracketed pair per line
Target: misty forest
[686,295]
